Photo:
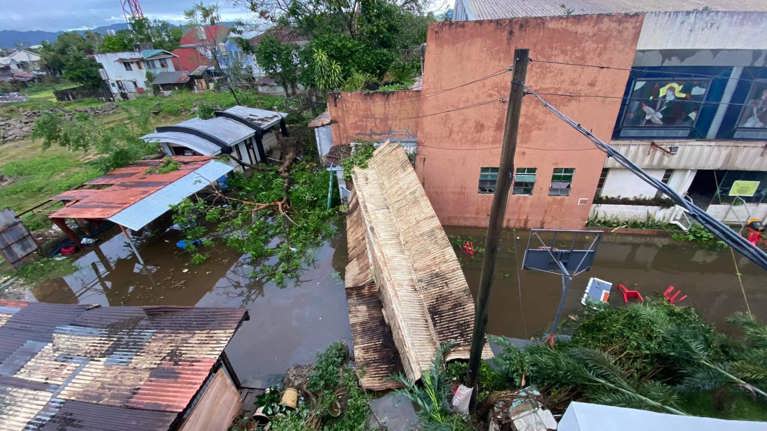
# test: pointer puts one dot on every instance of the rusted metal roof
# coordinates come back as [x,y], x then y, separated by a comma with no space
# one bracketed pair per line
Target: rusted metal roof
[425,296]
[118,368]
[105,196]
[320,120]
[497,9]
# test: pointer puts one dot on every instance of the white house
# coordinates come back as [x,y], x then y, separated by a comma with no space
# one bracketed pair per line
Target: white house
[25,60]
[126,72]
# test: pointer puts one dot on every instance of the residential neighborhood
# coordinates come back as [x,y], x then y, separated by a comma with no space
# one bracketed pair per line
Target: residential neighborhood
[381,215]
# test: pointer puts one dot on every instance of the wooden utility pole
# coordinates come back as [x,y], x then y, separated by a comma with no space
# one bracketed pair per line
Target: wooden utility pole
[498,210]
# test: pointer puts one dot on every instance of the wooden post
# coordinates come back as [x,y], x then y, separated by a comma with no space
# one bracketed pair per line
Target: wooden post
[497,212]
[62,224]
[132,245]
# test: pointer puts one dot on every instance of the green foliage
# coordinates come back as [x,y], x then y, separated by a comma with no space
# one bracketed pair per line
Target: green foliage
[327,72]
[280,61]
[68,56]
[432,397]
[44,269]
[652,355]
[490,380]
[118,144]
[167,165]
[700,235]
[277,229]
[158,34]
[359,158]
[325,374]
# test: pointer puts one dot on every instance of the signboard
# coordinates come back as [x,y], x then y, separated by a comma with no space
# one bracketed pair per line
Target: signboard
[744,188]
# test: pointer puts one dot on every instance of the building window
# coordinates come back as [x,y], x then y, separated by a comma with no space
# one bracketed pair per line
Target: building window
[601,183]
[666,107]
[524,180]
[140,65]
[561,180]
[752,123]
[163,63]
[487,178]
[666,177]
[127,66]
[150,64]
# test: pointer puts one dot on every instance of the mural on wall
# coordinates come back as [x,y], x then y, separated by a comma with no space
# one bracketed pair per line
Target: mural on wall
[665,102]
[754,113]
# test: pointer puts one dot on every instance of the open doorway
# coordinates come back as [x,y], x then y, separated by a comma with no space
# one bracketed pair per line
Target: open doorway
[703,188]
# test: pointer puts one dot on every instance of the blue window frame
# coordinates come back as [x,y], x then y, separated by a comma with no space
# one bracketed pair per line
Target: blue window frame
[670,102]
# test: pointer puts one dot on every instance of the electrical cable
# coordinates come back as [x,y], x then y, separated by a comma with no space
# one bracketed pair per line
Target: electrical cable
[460,108]
[722,231]
[642,69]
[629,99]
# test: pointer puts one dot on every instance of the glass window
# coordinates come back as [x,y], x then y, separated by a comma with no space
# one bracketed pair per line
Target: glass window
[127,66]
[140,65]
[561,180]
[665,102]
[163,63]
[524,180]
[487,178]
[754,113]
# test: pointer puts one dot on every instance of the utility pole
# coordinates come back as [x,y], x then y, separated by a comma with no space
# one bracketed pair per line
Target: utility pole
[497,211]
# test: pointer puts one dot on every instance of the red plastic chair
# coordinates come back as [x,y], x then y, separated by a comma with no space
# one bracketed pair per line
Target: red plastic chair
[468,248]
[673,297]
[629,294]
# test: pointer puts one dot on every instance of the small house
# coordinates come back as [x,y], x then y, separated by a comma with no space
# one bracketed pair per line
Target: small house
[126,72]
[86,367]
[247,134]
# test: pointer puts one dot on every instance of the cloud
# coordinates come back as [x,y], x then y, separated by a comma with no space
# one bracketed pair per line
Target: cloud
[55,15]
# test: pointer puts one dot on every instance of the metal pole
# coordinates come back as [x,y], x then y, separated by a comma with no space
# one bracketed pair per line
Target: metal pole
[497,212]
[132,245]
[567,280]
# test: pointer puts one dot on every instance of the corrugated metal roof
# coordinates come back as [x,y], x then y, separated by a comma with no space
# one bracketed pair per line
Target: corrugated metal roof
[175,77]
[225,129]
[498,9]
[261,117]
[119,368]
[127,186]
[193,142]
[156,204]
[422,287]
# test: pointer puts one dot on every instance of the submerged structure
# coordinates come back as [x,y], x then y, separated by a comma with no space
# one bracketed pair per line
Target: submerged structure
[407,293]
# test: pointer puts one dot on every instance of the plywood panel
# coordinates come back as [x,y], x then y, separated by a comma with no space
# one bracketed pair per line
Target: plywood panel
[216,407]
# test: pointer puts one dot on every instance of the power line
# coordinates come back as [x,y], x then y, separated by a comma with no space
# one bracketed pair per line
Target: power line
[733,239]
[461,108]
[638,99]
[418,96]
[643,69]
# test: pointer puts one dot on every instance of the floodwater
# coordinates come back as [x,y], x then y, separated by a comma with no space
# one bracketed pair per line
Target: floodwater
[287,326]
[290,325]
[525,307]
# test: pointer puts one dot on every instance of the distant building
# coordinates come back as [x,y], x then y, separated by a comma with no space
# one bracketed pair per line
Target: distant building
[26,61]
[683,94]
[196,46]
[126,72]
[87,367]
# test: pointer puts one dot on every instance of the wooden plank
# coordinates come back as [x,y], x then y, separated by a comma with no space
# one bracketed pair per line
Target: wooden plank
[216,407]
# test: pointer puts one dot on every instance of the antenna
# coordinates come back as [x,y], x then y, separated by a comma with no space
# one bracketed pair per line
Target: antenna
[566,253]
[131,10]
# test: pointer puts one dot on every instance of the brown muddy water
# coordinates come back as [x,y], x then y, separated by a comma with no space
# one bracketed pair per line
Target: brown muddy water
[287,325]
[525,307]
[290,325]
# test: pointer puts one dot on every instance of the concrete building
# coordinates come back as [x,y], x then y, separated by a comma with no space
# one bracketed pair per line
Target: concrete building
[683,94]
[126,72]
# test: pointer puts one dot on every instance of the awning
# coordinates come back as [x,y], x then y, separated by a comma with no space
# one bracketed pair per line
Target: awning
[187,140]
[156,204]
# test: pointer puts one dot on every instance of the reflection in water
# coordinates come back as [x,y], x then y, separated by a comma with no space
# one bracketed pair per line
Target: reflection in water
[287,325]
[647,263]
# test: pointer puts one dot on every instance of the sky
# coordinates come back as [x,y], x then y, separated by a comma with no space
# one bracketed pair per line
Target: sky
[57,15]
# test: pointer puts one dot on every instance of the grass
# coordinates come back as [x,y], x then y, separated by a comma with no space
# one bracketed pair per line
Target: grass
[732,405]
[45,269]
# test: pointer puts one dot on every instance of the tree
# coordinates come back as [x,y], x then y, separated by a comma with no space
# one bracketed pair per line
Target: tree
[69,56]
[280,61]
[158,34]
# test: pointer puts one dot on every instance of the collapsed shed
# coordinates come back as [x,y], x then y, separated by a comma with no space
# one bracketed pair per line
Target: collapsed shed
[247,134]
[404,284]
[135,195]
[87,367]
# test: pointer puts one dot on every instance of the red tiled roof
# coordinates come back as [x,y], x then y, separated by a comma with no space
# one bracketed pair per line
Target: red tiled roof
[91,367]
[126,186]
[188,59]
[212,32]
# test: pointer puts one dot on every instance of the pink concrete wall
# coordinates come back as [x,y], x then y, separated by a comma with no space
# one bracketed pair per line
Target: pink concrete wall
[373,116]
[453,146]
